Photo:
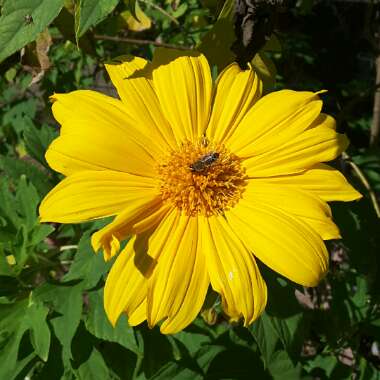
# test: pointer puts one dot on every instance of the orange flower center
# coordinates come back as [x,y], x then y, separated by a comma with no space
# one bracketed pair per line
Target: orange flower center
[201,178]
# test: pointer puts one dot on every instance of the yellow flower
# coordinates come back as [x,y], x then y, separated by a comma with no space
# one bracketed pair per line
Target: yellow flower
[203,178]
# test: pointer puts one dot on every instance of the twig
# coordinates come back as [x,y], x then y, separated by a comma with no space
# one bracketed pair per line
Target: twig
[67,247]
[168,15]
[140,42]
[365,183]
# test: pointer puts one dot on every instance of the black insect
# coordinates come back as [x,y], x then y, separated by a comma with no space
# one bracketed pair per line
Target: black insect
[203,163]
[28,19]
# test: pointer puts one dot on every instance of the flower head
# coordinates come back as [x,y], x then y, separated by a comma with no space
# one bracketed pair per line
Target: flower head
[202,178]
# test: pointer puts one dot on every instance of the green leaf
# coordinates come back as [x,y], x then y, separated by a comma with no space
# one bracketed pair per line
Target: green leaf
[266,337]
[39,329]
[22,20]
[94,368]
[236,362]
[186,369]
[14,168]
[68,302]
[5,268]
[91,12]
[207,354]
[16,319]
[21,114]
[325,361]
[216,43]
[37,141]
[97,324]
[287,330]
[28,200]
[40,232]
[87,266]
[7,209]
[154,360]
[281,367]
[193,338]
[265,69]
[12,329]
[177,371]
[131,6]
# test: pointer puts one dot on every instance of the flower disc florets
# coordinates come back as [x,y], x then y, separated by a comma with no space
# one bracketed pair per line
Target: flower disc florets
[201,178]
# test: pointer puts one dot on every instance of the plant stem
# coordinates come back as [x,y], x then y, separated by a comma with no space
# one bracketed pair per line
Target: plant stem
[168,15]
[365,182]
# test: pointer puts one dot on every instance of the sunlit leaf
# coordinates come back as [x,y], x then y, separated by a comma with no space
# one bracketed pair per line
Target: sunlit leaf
[22,20]
[90,12]
[139,23]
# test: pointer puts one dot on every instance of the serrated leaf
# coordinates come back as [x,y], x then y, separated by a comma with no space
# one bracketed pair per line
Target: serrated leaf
[14,168]
[91,12]
[16,319]
[98,324]
[40,232]
[39,329]
[37,141]
[22,20]
[87,265]
[27,198]
[7,209]
[68,302]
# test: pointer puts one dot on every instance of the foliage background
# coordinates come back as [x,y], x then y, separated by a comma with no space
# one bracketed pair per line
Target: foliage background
[52,323]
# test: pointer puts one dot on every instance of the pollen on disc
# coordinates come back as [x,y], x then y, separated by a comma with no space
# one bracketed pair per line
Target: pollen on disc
[201,179]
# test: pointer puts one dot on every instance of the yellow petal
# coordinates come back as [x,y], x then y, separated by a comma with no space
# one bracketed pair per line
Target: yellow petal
[126,284]
[125,288]
[132,78]
[183,84]
[139,315]
[143,213]
[89,195]
[178,286]
[233,270]
[274,120]
[98,134]
[318,144]
[282,242]
[236,92]
[301,204]
[322,180]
